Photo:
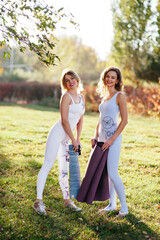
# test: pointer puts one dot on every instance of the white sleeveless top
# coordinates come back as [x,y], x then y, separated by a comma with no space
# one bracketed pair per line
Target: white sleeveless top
[76,110]
[109,112]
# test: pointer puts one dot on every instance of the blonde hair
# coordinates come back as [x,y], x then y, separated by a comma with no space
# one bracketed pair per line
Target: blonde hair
[74,75]
[102,89]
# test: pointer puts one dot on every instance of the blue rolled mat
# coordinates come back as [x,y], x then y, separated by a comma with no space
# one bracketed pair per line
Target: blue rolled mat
[74,172]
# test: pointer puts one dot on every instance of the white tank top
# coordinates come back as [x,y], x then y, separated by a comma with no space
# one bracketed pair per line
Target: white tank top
[76,110]
[109,112]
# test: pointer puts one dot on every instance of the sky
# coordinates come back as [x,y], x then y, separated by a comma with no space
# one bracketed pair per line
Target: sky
[95,20]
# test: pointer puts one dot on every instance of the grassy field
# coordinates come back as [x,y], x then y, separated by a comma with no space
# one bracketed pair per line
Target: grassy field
[23,135]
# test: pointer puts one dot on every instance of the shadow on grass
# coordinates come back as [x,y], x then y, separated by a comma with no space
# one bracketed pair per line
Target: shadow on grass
[83,227]
[31,106]
[19,221]
[129,228]
[5,163]
[41,108]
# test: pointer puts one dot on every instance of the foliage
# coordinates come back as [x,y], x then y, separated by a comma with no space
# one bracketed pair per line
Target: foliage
[144,100]
[80,58]
[49,102]
[31,25]
[141,100]
[73,54]
[12,77]
[136,44]
[92,98]
[32,91]
[23,137]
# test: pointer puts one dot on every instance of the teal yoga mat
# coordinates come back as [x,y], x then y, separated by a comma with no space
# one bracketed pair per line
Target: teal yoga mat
[74,172]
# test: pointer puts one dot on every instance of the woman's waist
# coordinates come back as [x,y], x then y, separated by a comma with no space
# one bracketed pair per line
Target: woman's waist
[72,122]
[74,118]
[76,109]
[107,124]
[104,136]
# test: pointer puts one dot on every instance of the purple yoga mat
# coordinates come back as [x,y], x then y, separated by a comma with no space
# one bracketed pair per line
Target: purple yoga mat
[95,185]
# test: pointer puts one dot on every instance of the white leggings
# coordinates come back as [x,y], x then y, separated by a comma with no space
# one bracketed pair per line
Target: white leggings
[116,184]
[57,146]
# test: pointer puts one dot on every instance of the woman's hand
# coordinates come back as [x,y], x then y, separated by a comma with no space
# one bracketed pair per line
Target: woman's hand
[107,144]
[75,145]
[93,140]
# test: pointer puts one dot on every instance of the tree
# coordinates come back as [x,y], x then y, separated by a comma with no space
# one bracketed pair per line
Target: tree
[136,37]
[81,58]
[71,51]
[1,68]
[31,24]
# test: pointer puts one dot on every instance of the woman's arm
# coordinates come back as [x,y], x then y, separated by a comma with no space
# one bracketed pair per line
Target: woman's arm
[79,129]
[121,101]
[80,125]
[64,109]
[95,135]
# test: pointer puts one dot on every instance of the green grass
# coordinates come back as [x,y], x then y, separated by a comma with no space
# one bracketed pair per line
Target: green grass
[23,133]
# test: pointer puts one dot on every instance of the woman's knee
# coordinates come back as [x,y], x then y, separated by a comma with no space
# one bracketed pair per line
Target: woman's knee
[113,175]
[47,166]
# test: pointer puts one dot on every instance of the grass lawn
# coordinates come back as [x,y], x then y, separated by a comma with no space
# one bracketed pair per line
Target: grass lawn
[23,133]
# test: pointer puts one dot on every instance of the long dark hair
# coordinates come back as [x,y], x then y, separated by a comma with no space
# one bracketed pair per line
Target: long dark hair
[102,90]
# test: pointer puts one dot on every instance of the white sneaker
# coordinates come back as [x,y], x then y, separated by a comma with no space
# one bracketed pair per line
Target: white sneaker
[39,207]
[109,208]
[122,214]
[72,206]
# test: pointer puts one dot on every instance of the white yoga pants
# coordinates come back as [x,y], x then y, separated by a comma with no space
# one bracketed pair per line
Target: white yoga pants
[57,146]
[115,182]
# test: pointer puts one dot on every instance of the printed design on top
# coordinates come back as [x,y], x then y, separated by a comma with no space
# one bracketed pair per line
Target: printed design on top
[109,126]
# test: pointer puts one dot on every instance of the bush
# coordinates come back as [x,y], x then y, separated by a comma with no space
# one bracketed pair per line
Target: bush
[32,91]
[143,100]
[49,102]
[6,90]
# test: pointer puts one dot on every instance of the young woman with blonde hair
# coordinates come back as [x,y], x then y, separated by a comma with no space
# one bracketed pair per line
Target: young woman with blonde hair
[72,109]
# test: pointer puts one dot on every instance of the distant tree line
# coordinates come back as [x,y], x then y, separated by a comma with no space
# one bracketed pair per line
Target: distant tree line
[135,47]
[72,53]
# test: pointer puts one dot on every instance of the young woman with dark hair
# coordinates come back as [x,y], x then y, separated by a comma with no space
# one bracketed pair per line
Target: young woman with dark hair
[109,131]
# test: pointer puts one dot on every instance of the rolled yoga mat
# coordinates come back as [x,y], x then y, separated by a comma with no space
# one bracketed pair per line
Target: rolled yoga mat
[74,172]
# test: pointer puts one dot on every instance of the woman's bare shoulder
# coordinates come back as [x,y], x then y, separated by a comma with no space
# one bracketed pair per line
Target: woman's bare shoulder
[121,98]
[121,95]
[65,98]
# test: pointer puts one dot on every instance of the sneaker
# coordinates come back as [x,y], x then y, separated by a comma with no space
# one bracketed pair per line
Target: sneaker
[39,207]
[109,208]
[72,206]
[122,214]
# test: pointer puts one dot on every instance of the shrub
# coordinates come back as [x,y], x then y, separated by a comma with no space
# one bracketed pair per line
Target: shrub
[28,91]
[49,102]
[143,100]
